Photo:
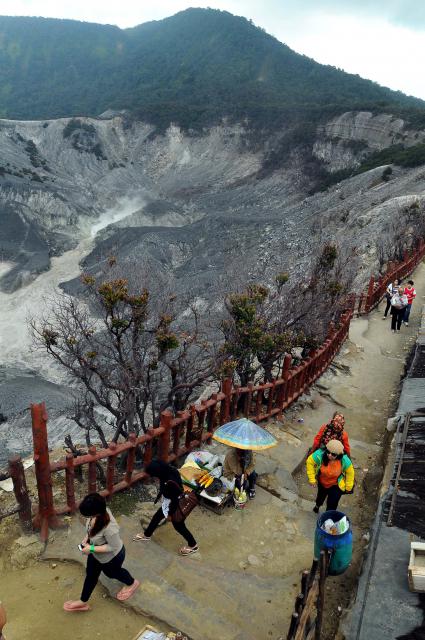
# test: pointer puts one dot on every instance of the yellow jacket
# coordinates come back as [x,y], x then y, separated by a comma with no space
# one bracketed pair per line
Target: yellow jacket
[345,480]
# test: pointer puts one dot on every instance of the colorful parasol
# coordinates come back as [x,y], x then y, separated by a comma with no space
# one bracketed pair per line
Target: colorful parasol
[244,434]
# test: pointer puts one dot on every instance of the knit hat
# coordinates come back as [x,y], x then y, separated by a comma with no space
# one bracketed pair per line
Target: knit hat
[335,446]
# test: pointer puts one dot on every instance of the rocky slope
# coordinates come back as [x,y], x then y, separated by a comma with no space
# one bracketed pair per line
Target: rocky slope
[197,210]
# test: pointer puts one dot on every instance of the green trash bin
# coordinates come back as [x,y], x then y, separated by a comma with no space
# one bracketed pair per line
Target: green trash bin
[341,546]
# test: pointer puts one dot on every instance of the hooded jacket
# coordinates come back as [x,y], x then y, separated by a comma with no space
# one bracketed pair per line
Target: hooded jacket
[345,480]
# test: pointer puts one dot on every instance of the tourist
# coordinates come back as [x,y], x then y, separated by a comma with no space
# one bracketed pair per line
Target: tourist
[3,621]
[332,472]
[171,490]
[238,463]
[410,293]
[389,294]
[398,304]
[334,430]
[104,550]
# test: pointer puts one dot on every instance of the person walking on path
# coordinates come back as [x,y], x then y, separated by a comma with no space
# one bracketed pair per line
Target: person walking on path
[332,472]
[389,294]
[398,305]
[171,490]
[104,550]
[410,293]
[334,430]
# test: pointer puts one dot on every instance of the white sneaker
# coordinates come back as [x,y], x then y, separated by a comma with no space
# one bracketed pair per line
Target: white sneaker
[393,330]
[406,324]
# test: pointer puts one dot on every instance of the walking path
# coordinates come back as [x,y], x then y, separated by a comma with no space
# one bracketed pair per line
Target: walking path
[243,582]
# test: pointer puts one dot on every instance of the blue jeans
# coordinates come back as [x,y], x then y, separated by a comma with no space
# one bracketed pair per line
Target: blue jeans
[407,313]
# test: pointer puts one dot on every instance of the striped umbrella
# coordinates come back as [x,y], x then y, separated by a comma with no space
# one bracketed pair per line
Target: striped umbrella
[244,434]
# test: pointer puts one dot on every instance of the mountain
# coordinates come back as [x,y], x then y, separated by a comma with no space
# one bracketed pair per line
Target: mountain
[192,69]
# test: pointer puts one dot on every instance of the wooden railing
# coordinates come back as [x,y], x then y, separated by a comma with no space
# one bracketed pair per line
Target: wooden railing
[175,436]
[376,289]
[23,500]
[178,435]
[307,618]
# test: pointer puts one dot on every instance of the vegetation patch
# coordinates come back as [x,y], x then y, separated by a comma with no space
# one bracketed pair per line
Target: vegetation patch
[83,138]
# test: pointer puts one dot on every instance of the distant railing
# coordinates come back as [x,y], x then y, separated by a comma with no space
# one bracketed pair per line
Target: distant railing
[176,436]
[376,289]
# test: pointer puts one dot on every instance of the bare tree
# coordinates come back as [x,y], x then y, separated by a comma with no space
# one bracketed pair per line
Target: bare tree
[128,355]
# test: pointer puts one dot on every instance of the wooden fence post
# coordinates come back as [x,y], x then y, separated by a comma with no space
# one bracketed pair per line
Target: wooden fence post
[92,480]
[165,422]
[69,483]
[369,297]
[131,454]
[323,572]
[46,516]
[110,468]
[16,470]
[226,388]
[248,400]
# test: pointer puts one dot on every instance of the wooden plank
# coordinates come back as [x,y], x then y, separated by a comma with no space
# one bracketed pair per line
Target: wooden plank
[308,610]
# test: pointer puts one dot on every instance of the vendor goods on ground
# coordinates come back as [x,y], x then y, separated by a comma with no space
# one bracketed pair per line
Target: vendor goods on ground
[202,472]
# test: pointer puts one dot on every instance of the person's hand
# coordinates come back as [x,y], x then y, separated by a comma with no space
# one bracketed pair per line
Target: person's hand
[313,485]
[86,549]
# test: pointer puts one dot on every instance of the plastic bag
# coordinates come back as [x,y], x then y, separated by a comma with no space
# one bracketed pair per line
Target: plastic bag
[342,525]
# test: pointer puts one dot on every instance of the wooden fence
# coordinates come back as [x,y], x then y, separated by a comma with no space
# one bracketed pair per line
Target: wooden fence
[307,618]
[175,436]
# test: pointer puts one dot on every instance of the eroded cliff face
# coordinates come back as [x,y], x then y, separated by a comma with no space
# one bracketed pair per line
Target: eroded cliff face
[346,140]
[195,213]
[57,177]
[188,205]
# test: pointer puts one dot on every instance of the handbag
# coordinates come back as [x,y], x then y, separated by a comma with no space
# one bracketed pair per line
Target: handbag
[187,503]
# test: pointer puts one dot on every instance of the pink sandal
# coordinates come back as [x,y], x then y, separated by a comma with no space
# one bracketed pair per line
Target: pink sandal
[186,551]
[140,537]
[72,605]
[127,592]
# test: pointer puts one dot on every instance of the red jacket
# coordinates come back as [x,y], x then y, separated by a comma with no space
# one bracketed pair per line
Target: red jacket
[344,440]
[410,293]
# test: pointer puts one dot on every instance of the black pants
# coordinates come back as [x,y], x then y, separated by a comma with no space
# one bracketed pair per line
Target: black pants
[397,316]
[332,493]
[249,481]
[112,569]
[387,308]
[180,527]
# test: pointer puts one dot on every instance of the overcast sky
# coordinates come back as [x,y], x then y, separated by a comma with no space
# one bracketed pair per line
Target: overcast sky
[383,40]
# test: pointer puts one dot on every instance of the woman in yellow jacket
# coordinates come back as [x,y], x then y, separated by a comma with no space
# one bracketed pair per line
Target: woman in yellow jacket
[332,472]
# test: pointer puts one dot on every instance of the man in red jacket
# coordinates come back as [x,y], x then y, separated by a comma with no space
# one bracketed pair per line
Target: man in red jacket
[410,292]
[332,431]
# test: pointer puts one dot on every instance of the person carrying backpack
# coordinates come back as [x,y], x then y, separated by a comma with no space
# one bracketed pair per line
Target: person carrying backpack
[332,472]
[389,294]
[398,305]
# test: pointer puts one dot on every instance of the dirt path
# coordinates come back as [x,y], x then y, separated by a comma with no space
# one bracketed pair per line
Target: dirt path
[273,538]
[367,396]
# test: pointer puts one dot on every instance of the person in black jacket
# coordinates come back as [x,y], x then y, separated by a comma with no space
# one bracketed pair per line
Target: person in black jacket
[170,489]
